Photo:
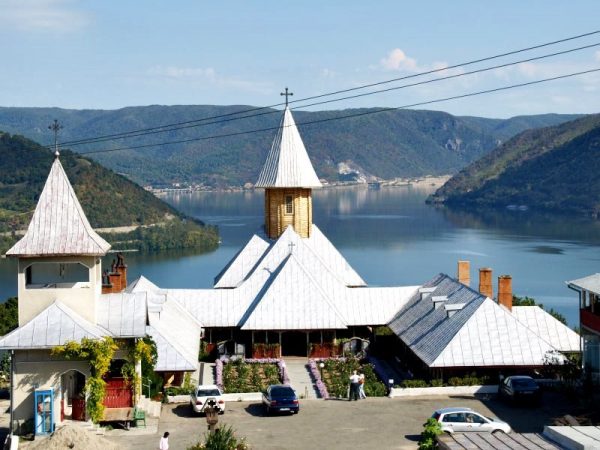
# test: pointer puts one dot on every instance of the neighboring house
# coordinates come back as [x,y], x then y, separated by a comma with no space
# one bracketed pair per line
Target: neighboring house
[589,316]
[60,284]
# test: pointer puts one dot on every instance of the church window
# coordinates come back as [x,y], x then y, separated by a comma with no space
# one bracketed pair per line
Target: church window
[289,204]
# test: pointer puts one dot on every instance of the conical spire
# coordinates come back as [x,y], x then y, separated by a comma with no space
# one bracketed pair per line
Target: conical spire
[59,225]
[288,164]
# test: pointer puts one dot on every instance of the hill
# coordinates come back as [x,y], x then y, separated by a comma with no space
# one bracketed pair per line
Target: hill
[402,143]
[108,199]
[552,169]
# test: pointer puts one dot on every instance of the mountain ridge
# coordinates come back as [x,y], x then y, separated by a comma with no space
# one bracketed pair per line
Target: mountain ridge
[390,144]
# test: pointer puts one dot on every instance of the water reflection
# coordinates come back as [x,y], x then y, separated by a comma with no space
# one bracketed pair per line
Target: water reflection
[391,237]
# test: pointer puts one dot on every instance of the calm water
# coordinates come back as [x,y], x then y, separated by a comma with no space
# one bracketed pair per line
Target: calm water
[392,238]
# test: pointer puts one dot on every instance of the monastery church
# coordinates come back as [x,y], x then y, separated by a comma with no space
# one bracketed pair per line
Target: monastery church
[287,292]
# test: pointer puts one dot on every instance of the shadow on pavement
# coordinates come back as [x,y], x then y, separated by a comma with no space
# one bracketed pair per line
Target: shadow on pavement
[256,410]
[412,437]
[184,411]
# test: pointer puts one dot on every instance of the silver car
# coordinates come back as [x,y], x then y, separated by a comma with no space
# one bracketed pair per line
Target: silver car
[458,420]
[202,394]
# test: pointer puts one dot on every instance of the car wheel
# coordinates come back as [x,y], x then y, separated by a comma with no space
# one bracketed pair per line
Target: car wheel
[297,411]
[497,432]
[267,411]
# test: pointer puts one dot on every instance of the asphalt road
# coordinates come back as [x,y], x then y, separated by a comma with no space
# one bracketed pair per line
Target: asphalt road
[374,423]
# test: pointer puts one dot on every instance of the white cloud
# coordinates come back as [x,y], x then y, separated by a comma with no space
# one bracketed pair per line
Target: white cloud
[327,73]
[597,56]
[398,60]
[41,15]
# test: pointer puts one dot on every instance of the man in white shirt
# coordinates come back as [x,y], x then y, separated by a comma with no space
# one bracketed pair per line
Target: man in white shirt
[164,442]
[354,380]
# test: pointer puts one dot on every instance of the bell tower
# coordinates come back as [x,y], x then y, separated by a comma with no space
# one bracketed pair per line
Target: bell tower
[288,178]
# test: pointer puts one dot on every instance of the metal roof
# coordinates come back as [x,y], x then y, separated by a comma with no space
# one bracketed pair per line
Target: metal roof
[553,331]
[55,325]
[59,225]
[288,164]
[590,283]
[123,314]
[169,359]
[303,289]
[247,260]
[141,284]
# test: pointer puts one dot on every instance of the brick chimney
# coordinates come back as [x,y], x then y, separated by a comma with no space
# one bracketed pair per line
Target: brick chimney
[464,272]
[122,270]
[505,295]
[115,280]
[485,282]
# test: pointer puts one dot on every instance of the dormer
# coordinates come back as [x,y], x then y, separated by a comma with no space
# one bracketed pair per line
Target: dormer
[288,178]
[59,257]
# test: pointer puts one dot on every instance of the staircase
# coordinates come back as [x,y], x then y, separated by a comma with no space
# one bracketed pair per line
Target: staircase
[300,379]
[207,373]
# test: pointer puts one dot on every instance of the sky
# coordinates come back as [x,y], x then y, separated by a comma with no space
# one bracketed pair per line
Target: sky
[111,54]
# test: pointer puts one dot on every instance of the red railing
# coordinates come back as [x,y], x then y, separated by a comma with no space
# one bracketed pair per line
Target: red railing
[590,320]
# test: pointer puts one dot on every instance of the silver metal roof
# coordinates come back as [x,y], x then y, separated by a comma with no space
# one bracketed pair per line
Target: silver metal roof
[55,325]
[169,358]
[560,336]
[59,225]
[303,286]
[590,283]
[141,284]
[242,263]
[123,314]
[288,164]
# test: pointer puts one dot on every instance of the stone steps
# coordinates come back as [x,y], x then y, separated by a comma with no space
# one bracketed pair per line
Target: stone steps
[151,407]
[300,379]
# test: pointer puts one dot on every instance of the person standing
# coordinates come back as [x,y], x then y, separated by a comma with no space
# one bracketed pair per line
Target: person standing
[361,386]
[164,442]
[354,379]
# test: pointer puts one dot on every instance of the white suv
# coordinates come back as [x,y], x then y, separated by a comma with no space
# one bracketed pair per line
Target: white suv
[203,393]
[455,420]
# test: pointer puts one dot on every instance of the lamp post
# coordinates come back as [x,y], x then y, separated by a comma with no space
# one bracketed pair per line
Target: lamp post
[391,385]
[321,365]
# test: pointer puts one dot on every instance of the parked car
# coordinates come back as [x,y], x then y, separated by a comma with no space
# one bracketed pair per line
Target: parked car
[455,420]
[204,392]
[280,398]
[520,388]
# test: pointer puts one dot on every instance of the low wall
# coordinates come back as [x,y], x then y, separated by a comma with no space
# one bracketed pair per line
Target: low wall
[446,390]
[243,397]
[178,398]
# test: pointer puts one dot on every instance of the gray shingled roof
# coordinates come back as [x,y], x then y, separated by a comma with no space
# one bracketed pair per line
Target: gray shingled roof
[427,331]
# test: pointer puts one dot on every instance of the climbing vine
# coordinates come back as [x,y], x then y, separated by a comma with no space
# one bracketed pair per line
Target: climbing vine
[143,350]
[99,353]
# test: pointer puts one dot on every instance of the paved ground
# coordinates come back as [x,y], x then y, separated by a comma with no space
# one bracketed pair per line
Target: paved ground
[375,423]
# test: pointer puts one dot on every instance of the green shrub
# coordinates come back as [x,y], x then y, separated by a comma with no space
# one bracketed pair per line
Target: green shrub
[222,439]
[436,382]
[414,384]
[429,435]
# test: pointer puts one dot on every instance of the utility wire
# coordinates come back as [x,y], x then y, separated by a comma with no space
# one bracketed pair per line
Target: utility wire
[348,116]
[433,80]
[169,127]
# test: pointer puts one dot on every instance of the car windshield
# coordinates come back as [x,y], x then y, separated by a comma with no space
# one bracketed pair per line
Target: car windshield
[282,392]
[208,392]
[524,383]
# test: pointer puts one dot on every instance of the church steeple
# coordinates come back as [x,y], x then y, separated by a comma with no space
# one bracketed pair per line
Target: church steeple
[288,178]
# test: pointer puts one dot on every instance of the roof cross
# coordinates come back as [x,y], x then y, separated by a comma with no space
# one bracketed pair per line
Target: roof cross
[287,94]
[291,245]
[56,127]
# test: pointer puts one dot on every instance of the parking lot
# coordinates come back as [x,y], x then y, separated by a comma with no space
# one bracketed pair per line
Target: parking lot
[379,423]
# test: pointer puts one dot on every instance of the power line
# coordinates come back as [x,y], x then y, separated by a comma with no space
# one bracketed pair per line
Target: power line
[364,113]
[170,127]
[230,119]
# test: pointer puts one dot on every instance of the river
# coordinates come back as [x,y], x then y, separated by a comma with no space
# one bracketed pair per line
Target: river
[391,237]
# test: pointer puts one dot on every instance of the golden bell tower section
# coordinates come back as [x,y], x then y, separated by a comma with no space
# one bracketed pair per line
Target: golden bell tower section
[288,206]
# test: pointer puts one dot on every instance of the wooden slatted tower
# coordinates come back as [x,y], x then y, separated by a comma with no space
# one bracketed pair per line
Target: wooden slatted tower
[288,178]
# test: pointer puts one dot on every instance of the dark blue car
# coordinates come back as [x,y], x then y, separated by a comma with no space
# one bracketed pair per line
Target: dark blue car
[280,398]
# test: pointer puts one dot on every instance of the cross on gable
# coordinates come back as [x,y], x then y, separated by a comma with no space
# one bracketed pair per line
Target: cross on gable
[291,245]
[287,94]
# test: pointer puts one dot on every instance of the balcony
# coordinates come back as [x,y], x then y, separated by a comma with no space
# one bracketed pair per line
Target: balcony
[590,320]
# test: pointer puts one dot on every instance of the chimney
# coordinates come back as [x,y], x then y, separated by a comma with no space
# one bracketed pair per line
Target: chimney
[485,282]
[464,272]
[505,295]
[122,270]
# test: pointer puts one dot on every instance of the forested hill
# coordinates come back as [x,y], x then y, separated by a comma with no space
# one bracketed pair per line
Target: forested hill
[402,143]
[554,168]
[108,199]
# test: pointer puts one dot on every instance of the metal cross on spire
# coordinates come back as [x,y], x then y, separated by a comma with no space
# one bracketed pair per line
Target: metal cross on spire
[287,94]
[55,127]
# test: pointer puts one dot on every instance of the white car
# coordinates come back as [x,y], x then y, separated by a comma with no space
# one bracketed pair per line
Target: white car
[205,392]
[455,420]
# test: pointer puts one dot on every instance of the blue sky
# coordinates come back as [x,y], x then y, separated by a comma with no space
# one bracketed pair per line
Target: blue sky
[111,54]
